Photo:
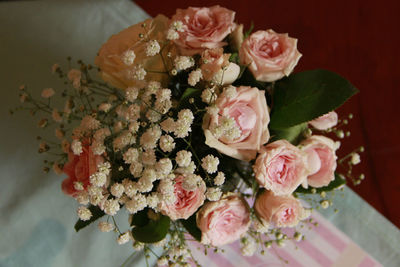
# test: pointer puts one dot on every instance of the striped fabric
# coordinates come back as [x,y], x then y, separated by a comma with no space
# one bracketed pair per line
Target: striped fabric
[324,245]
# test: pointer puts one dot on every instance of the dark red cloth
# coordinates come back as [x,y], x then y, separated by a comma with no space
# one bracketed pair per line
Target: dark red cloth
[359,40]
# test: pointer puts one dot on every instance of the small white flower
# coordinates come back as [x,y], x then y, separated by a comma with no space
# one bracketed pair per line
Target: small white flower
[164,166]
[84,213]
[138,246]
[131,155]
[136,169]
[98,147]
[128,57]
[105,107]
[153,200]
[167,143]
[117,190]
[75,76]
[208,95]
[183,62]
[98,179]
[152,48]
[111,207]
[230,91]
[168,125]
[78,186]
[150,137]
[210,163]
[194,77]
[56,116]
[76,147]
[124,238]
[82,198]
[172,34]
[178,26]
[219,179]
[47,93]
[213,193]
[105,227]
[131,93]
[183,158]
[355,158]
[249,248]
[129,187]
[191,182]
[89,123]
[149,157]
[137,203]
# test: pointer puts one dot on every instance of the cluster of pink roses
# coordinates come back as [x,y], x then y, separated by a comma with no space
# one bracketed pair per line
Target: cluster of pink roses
[236,123]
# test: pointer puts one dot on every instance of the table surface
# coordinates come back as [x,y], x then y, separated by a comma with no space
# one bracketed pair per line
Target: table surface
[37,219]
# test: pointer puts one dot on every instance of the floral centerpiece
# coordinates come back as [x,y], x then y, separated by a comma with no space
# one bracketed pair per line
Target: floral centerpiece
[199,131]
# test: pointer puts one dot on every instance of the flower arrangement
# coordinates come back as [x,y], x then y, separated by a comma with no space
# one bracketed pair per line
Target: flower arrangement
[199,131]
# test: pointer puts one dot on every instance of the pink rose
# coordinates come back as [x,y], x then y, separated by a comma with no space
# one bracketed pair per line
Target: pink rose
[223,221]
[79,168]
[121,56]
[203,28]
[186,203]
[321,160]
[269,55]
[246,111]
[281,167]
[281,211]
[325,121]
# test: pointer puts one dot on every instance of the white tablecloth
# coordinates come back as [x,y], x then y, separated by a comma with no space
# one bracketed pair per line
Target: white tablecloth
[36,222]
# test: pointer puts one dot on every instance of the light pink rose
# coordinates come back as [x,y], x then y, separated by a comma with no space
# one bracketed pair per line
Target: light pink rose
[203,28]
[281,211]
[248,108]
[321,160]
[118,69]
[269,55]
[281,167]
[325,121]
[223,221]
[186,203]
[79,168]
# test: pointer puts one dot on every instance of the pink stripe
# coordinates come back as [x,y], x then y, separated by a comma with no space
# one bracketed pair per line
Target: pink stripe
[330,236]
[314,253]
[285,255]
[219,259]
[367,262]
[254,260]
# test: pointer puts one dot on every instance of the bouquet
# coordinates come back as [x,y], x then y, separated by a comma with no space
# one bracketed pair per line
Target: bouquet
[199,131]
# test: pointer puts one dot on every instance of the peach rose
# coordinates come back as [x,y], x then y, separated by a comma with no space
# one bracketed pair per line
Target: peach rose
[223,221]
[246,108]
[281,167]
[124,52]
[321,160]
[269,55]
[79,168]
[186,203]
[326,121]
[203,28]
[281,211]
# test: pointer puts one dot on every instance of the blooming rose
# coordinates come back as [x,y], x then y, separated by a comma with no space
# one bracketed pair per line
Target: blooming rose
[79,168]
[203,28]
[282,211]
[281,167]
[269,55]
[186,203]
[325,121]
[125,52]
[321,160]
[223,221]
[248,108]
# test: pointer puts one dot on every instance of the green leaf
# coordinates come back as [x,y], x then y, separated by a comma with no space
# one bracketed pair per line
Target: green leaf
[140,218]
[234,57]
[191,226]
[338,182]
[293,134]
[153,231]
[304,96]
[248,32]
[188,93]
[96,214]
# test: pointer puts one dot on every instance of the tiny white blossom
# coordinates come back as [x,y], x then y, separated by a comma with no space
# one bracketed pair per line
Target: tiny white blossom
[152,48]
[208,95]
[183,158]
[75,76]
[149,157]
[248,248]
[213,193]
[230,91]
[260,227]
[82,197]
[136,169]
[47,93]
[167,143]
[194,77]
[162,261]
[134,127]
[172,34]
[105,107]
[210,163]
[56,115]
[191,182]
[98,147]
[178,26]
[128,57]
[153,200]
[219,179]
[89,123]
[355,158]
[76,147]
[150,137]
[129,187]
[98,179]
[188,169]
[101,134]
[153,115]
[138,246]
[164,166]
[131,155]
[105,227]
[84,213]
[168,125]
[123,140]
[117,190]
[124,238]
[131,93]
[137,203]
[78,186]
[111,207]
[183,62]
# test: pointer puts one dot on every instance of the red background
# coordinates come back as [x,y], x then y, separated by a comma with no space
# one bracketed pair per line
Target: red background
[359,40]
